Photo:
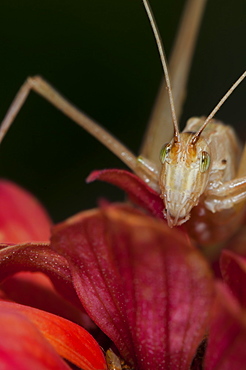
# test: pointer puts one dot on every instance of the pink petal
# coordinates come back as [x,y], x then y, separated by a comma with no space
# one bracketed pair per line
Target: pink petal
[233,270]
[227,336]
[70,340]
[136,189]
[22,346]
[22,218]
[141,282]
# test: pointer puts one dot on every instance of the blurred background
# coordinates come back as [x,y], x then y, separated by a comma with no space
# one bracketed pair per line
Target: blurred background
[102,56]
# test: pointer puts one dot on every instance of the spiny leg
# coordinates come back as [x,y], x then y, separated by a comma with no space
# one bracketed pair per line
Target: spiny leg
[44,89]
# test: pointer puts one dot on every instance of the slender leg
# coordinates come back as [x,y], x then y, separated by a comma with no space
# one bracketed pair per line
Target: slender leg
[226,195]
[41,87]
[149,172]
[141,167]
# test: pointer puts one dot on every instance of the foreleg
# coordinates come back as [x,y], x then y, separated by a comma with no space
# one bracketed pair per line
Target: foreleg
[226,195]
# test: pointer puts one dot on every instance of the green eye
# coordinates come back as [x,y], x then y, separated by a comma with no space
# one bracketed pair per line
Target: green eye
[204,162]
[163,153]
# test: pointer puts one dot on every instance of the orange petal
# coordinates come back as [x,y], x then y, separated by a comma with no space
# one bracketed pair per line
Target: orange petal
[22,346]
[71,341]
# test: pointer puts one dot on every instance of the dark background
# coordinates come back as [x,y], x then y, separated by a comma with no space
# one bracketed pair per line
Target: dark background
[101,55]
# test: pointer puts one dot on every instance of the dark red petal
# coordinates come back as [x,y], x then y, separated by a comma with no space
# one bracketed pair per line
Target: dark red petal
[210,229]
[22,218]
[71,341]
[227,336]
[38,258]
[137,190]
[237,243]
[22,346]
[36,290]
[233,270]
[140,281]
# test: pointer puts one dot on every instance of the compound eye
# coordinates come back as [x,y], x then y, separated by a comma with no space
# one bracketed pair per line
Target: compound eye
[204,162]
[164,151]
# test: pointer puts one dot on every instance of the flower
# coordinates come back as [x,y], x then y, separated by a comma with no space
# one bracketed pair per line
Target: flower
[145,286]
[33,338]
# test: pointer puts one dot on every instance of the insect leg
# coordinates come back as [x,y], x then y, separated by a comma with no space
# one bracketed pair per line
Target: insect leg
[41,87]
[226,195]
[149,172]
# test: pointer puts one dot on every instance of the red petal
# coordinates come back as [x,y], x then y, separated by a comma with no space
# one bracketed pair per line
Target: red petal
[22,218]
[38,258]
[136,189]
[71,341]
[36,290]
[140,282]
[209,228]
[227,337]
[233,270]
[22,346]
[237,243]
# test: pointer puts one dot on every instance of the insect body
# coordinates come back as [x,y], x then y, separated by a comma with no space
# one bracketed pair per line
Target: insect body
[198,166]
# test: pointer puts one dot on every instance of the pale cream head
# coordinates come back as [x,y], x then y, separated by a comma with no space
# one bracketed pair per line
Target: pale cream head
[183,177]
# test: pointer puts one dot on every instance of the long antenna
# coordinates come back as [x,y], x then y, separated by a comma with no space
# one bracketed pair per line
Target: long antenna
[164,65]
[217,107]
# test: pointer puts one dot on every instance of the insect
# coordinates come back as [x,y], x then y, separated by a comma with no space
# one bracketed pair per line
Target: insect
[190,173]
[114,363]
